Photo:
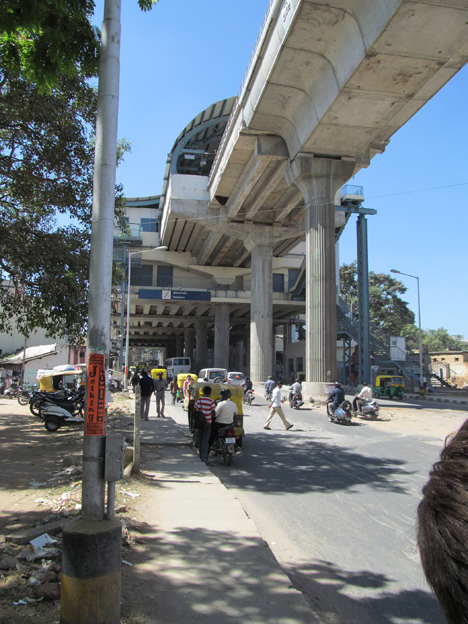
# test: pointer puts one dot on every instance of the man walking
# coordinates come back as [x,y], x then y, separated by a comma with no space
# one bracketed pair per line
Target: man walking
[147,389]
[206,405]
[160,387]
[276,408]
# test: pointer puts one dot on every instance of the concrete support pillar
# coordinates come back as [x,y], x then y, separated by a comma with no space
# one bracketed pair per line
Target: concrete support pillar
[189,338]
[221,337]
[318,179]
[202,345]
[261,313]
[179,346]
[240,355]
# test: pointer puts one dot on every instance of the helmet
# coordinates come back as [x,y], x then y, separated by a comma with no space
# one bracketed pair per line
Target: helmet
[337,384]
[225,394]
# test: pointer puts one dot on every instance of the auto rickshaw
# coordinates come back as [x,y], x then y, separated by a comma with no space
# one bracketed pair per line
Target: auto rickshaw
[390,386]
[237,395]
[155,373]
[181,377]
[52,381]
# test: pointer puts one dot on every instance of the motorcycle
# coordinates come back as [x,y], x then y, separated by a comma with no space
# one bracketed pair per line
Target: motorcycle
[342,414]
[369,410]
[295,401]
[228,440]
[40,400]
[248,397]
[24,396]
[12,392]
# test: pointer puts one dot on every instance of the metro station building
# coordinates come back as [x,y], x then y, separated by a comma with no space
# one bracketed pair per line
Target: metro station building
[195,298]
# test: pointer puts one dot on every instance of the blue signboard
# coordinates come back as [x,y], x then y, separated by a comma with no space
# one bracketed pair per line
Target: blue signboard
[175,295]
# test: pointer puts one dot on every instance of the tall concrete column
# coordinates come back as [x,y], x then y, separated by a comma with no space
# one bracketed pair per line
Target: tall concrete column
[179,346]
[189,338]
[202,345]
[318,179]
[240,355]
[261,313]
[221,336]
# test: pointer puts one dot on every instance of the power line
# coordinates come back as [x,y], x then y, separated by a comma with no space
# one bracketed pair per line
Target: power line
[434,188]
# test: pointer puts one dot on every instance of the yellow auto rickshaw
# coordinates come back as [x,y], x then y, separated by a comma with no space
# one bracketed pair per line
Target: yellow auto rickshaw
[390,386]
[52,381]
[155,373]
[181,377]
[237,395]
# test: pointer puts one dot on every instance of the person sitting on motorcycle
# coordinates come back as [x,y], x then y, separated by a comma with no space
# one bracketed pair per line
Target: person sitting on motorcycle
[246,385]
[224,415]
[294,389]
[270,384]
[336,396]
[363,397]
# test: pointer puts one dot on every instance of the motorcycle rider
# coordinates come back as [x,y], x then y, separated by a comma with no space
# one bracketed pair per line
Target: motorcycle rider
[363,397]
[336,396]
[270,384]
[246,385]
[295,388]
[224,415]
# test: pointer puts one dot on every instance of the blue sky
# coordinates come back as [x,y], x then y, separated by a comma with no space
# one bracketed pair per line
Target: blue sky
[184,55]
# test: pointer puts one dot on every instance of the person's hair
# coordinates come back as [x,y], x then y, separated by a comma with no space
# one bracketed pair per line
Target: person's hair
[206,390]
[280,383]
[443,528]
[144,372]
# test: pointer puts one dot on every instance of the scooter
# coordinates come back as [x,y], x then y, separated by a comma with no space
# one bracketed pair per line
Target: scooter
[55,417]
[228,441]
[341,415]
[296,401]
[369,410]
[12,392]
[248,397]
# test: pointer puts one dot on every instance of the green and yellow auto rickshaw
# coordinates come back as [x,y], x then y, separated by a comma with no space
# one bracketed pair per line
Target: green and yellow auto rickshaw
[390,386]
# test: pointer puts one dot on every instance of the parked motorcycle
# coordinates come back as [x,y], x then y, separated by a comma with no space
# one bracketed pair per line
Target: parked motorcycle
[40,400]
[228,440]
[248,397]
[295,401]
[12,392]
[369,410]
[24,396]
[342,414]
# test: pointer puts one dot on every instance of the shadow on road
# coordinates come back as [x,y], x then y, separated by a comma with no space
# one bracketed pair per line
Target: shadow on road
[365,597]
[290,467]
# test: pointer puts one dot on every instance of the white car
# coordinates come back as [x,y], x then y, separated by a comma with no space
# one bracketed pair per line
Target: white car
[236,378]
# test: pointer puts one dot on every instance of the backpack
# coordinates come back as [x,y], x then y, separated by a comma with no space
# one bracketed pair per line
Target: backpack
[199,419]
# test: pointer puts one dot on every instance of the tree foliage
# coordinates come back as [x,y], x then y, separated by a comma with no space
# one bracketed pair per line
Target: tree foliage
[391,314]
[48,48]
[388,311]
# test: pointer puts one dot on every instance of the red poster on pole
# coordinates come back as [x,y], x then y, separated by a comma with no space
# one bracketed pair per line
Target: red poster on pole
[96,397]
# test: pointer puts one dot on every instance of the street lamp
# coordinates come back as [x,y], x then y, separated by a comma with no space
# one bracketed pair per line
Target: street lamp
[420,332]
[130,254]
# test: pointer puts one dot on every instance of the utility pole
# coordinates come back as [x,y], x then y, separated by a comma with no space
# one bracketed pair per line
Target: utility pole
[92,544]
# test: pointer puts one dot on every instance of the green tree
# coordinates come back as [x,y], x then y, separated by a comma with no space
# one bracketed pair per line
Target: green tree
[388,312]
[48,48]
[440,340]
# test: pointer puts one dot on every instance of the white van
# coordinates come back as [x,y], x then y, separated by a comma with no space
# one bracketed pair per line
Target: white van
[213,373]
[177,365]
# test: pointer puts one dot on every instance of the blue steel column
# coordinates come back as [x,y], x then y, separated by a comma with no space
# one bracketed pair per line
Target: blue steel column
[363,300]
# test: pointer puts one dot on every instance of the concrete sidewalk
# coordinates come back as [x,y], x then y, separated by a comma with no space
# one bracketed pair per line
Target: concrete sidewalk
[203,559]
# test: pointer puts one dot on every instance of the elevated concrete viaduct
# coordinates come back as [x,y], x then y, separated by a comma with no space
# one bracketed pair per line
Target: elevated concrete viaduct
[328,84]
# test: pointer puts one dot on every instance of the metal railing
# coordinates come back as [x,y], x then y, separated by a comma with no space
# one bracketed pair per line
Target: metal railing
[352,189]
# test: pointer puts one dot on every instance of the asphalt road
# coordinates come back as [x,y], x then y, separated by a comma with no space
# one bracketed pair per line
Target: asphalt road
[337,505]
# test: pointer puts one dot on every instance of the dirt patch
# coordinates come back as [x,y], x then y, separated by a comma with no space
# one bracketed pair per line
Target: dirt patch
[40,482]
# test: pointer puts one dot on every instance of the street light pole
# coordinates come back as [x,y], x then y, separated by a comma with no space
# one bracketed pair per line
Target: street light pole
[127,339]
[421,382]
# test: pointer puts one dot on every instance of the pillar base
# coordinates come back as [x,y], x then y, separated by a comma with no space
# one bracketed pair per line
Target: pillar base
[91,564]
[314,390]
